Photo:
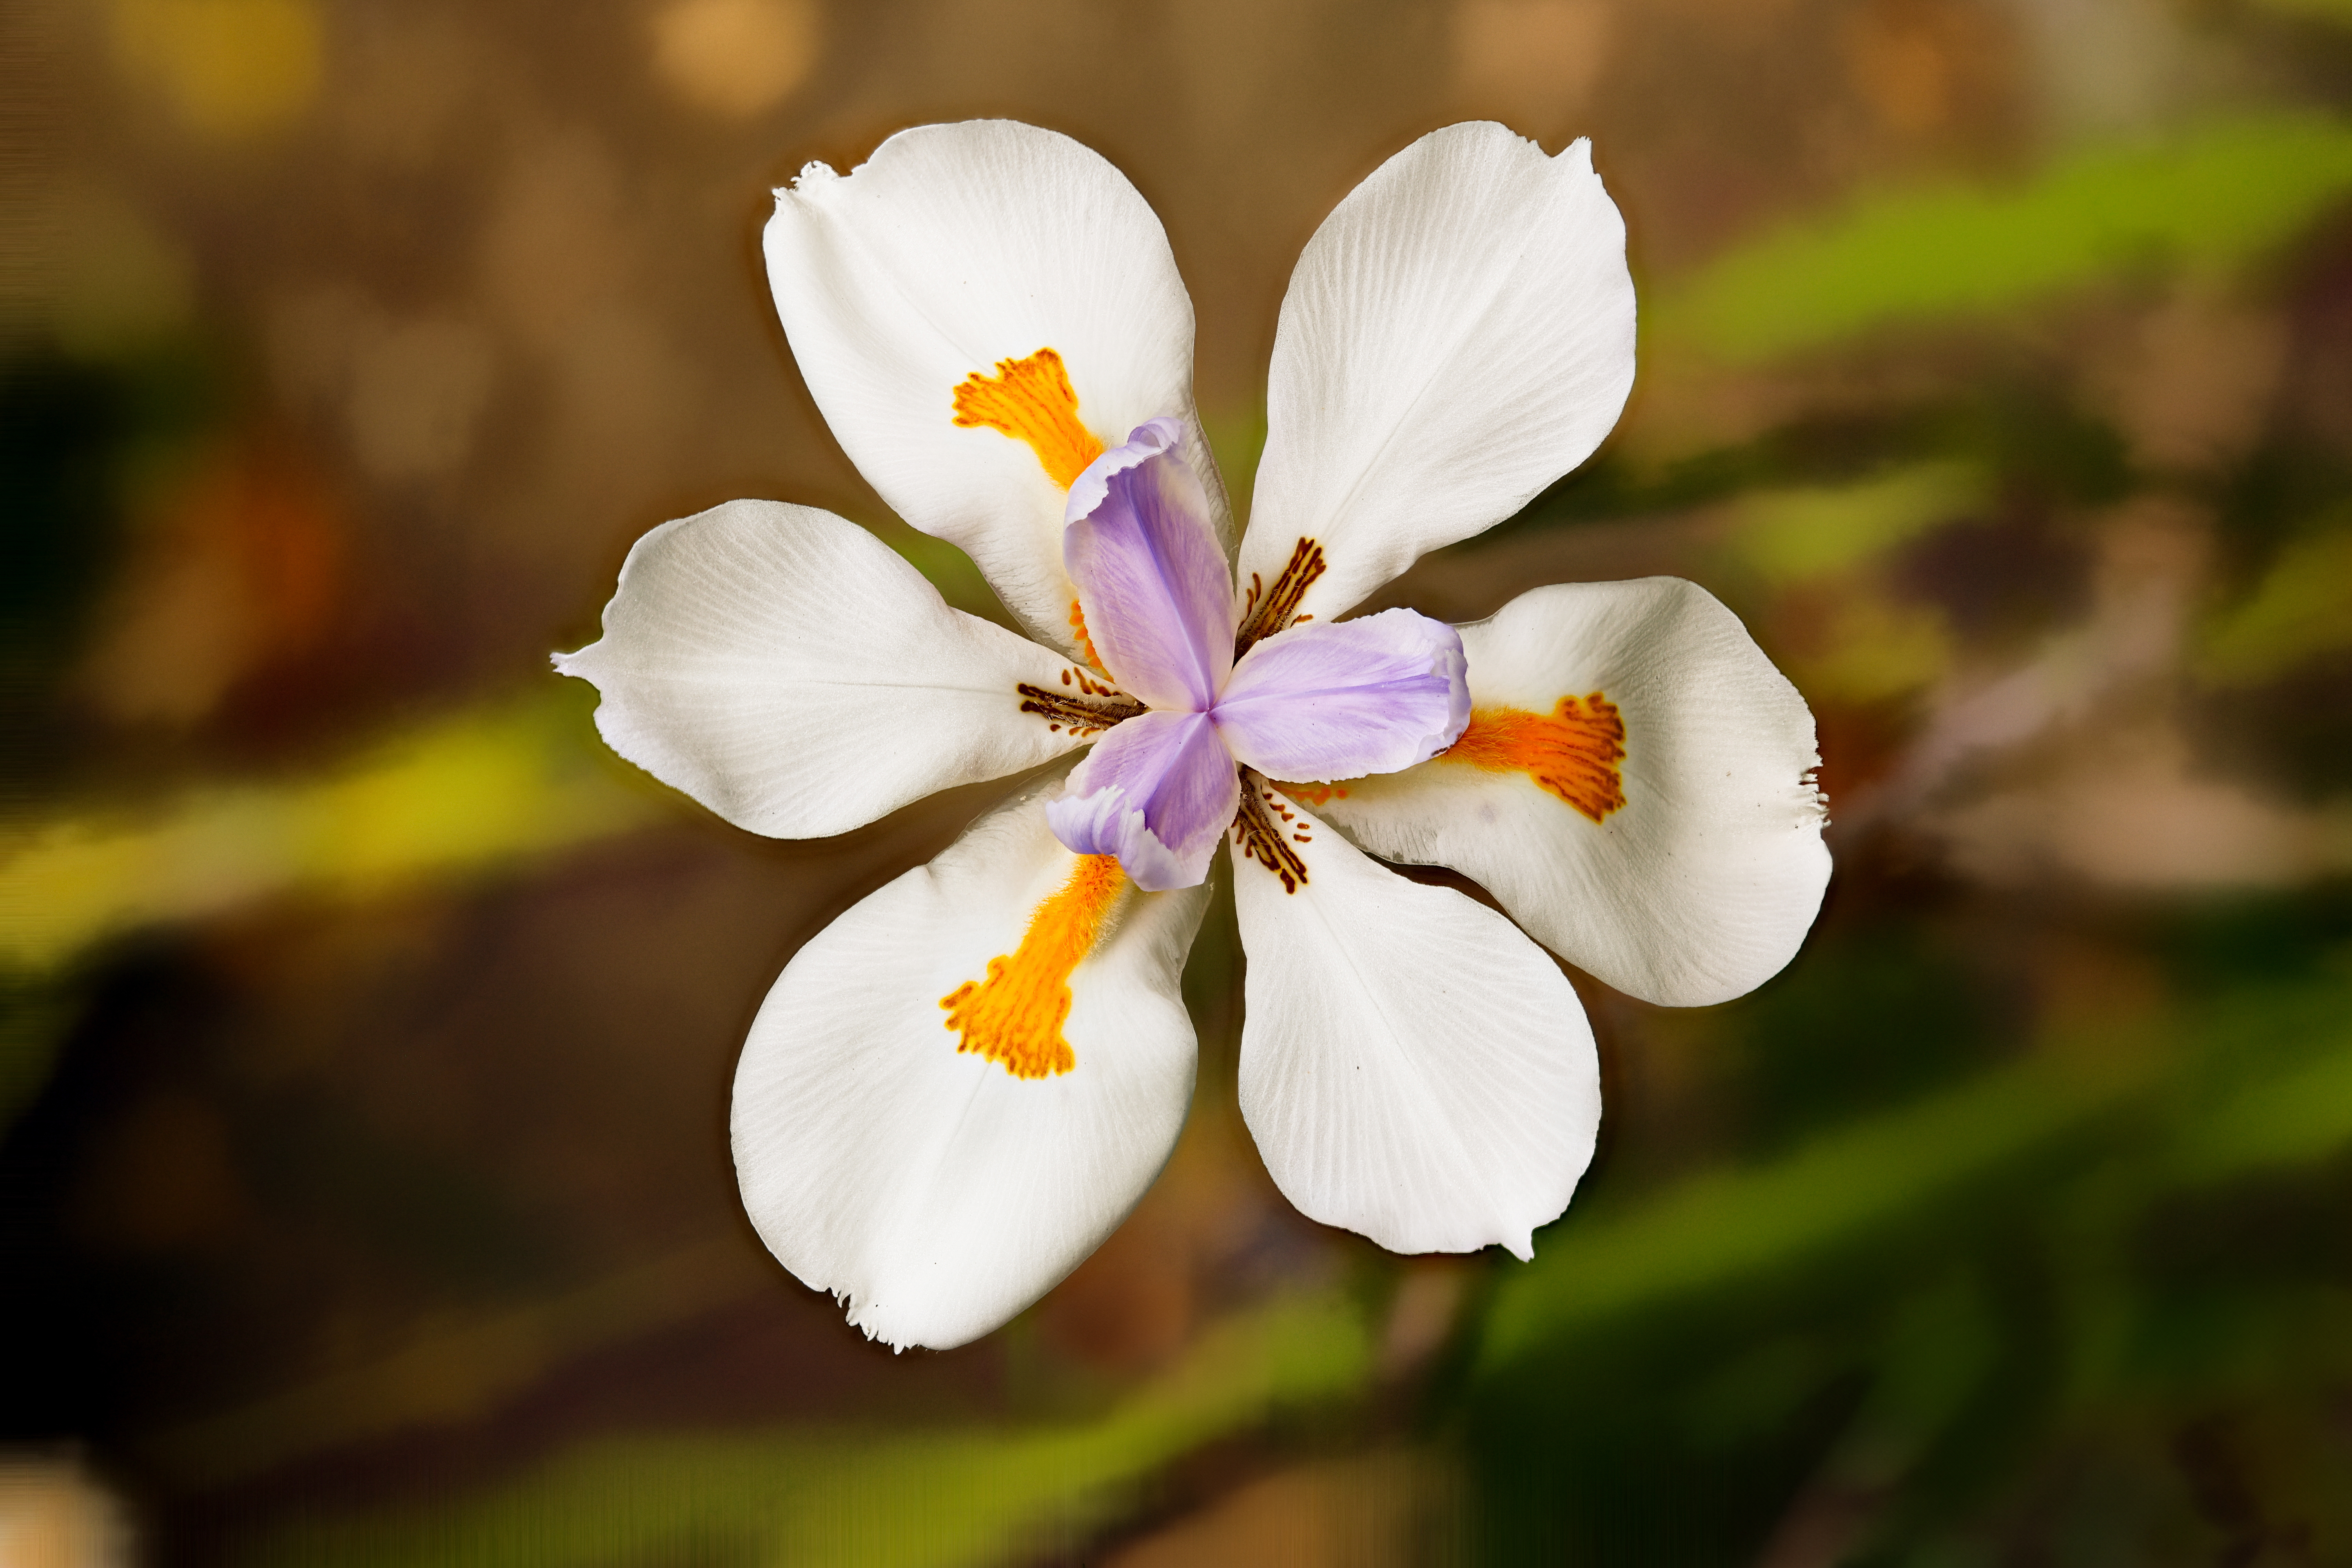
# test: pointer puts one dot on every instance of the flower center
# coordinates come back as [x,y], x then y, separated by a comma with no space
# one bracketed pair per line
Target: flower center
[1014,1016]
[1572,751]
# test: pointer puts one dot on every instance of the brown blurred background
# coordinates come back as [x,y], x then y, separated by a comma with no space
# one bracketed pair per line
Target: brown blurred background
[365,1028]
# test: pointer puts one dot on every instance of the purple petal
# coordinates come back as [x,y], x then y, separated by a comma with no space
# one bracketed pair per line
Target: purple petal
[1158,596]
[1159,792]
[1343,699]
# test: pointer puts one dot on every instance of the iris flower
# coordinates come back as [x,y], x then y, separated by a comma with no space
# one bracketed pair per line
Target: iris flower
[959,1088]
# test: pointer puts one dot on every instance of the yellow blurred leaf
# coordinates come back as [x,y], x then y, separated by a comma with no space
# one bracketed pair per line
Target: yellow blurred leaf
[2337,11]
[2207,199]
[2259,1079]
[461,794]
[1869,648]
[2303,608]
[228,68]
[1791,535]
[1841,1191]
[863,1498]
[2296,1118]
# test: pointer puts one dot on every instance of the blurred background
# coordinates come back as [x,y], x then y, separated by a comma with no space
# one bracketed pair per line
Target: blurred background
[365,1028]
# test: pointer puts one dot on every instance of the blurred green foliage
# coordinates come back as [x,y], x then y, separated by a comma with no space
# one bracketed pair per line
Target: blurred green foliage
[2295,612]
[935,1498]
[77,436]
[461,796]
[2021,433]
[2204,199]
[1793,535]
[471,791]
[1919,1304]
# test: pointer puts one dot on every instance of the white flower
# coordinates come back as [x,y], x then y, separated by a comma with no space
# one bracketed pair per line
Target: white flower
[957,1090]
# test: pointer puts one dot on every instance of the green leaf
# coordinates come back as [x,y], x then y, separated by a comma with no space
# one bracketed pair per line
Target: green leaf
[2206,200]
[463,793]
[857,1499]
[2303,608]
[1797,535]
[1841,1189]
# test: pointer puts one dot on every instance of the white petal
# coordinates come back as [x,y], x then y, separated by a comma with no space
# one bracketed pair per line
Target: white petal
[790,671]
[1704,883]
[1411,1067]
[953,248]
[931,1189]
[1457,336]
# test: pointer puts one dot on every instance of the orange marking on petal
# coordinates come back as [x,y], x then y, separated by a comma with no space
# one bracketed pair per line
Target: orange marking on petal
[1572,751]
[1014,1016]
[1086,643]
[1031,400]
[1317,795]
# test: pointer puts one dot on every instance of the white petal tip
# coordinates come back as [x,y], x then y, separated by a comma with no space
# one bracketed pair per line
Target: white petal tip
[1578,155]
[1814,812]
[861,1316]
[902,1339]
[1524,1249]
